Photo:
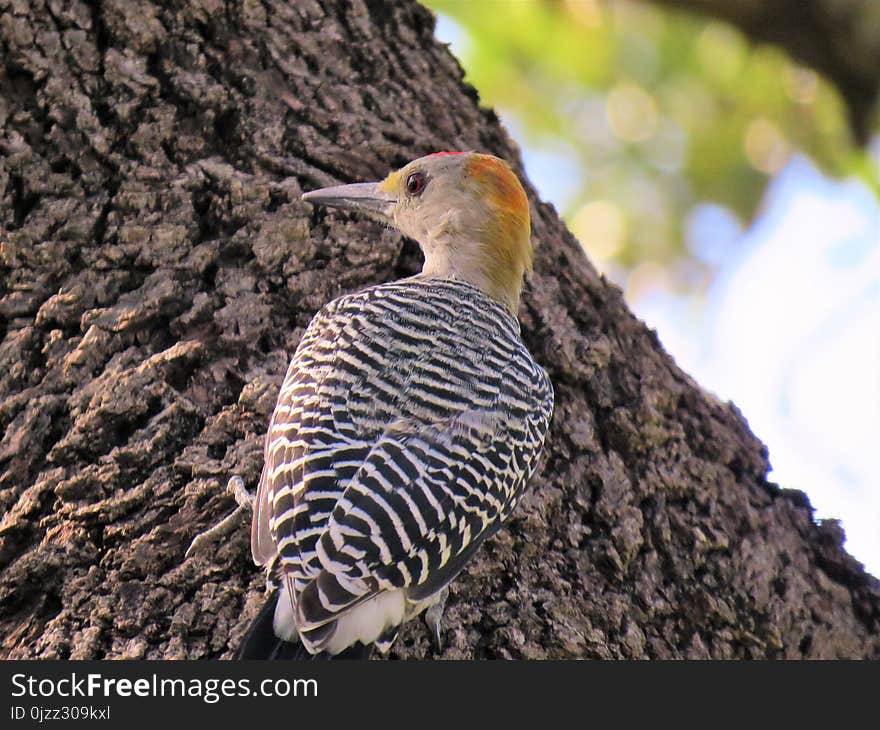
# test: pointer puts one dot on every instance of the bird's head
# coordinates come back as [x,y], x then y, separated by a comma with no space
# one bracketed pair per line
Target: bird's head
[468,212]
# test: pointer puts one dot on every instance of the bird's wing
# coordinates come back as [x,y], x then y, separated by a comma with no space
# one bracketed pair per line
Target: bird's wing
[262,545]
[304,454]
[283,451]
[425,498]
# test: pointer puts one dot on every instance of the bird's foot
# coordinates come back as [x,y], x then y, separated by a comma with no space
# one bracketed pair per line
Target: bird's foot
[433,617]
[244,500]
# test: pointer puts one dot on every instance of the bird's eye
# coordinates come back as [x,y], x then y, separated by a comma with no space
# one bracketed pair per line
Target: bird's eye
[415,183]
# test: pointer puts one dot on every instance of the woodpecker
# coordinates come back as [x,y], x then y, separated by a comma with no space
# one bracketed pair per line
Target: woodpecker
[410,419]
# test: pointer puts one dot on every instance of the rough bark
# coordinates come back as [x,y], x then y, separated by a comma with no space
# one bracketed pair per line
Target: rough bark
[838,38]
[157,270]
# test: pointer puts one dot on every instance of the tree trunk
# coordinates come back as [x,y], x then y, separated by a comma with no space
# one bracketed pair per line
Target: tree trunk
[838,38]
[156,271]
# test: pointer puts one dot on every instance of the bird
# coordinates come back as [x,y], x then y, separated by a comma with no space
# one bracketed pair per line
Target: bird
[409,422]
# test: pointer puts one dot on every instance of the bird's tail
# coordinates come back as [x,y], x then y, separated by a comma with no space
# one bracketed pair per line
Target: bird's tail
[260,641]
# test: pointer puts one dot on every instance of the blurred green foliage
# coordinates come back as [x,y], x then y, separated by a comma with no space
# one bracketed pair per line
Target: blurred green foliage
[659,110]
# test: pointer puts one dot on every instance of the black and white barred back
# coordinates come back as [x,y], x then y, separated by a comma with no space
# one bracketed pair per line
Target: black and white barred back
[410,420]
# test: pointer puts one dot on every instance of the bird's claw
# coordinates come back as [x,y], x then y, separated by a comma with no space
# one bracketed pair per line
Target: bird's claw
[433,616]
[245,501]
[243,498]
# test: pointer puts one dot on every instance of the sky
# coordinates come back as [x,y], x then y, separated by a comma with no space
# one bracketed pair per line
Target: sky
[790,332]
[789,329]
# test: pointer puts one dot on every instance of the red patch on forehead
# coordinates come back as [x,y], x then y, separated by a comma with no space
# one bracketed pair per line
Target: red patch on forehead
[443,154]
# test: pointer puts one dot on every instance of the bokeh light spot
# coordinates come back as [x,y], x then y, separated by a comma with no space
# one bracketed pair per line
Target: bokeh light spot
[766,148]
[801,84]
[585,12]
[632,112]
[646,278]
[721,51]
[600,226]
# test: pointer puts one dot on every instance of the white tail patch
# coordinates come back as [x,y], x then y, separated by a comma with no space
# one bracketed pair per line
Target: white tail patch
[367,621]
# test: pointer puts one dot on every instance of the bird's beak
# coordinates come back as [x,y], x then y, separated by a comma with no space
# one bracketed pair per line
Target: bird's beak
[363,197]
